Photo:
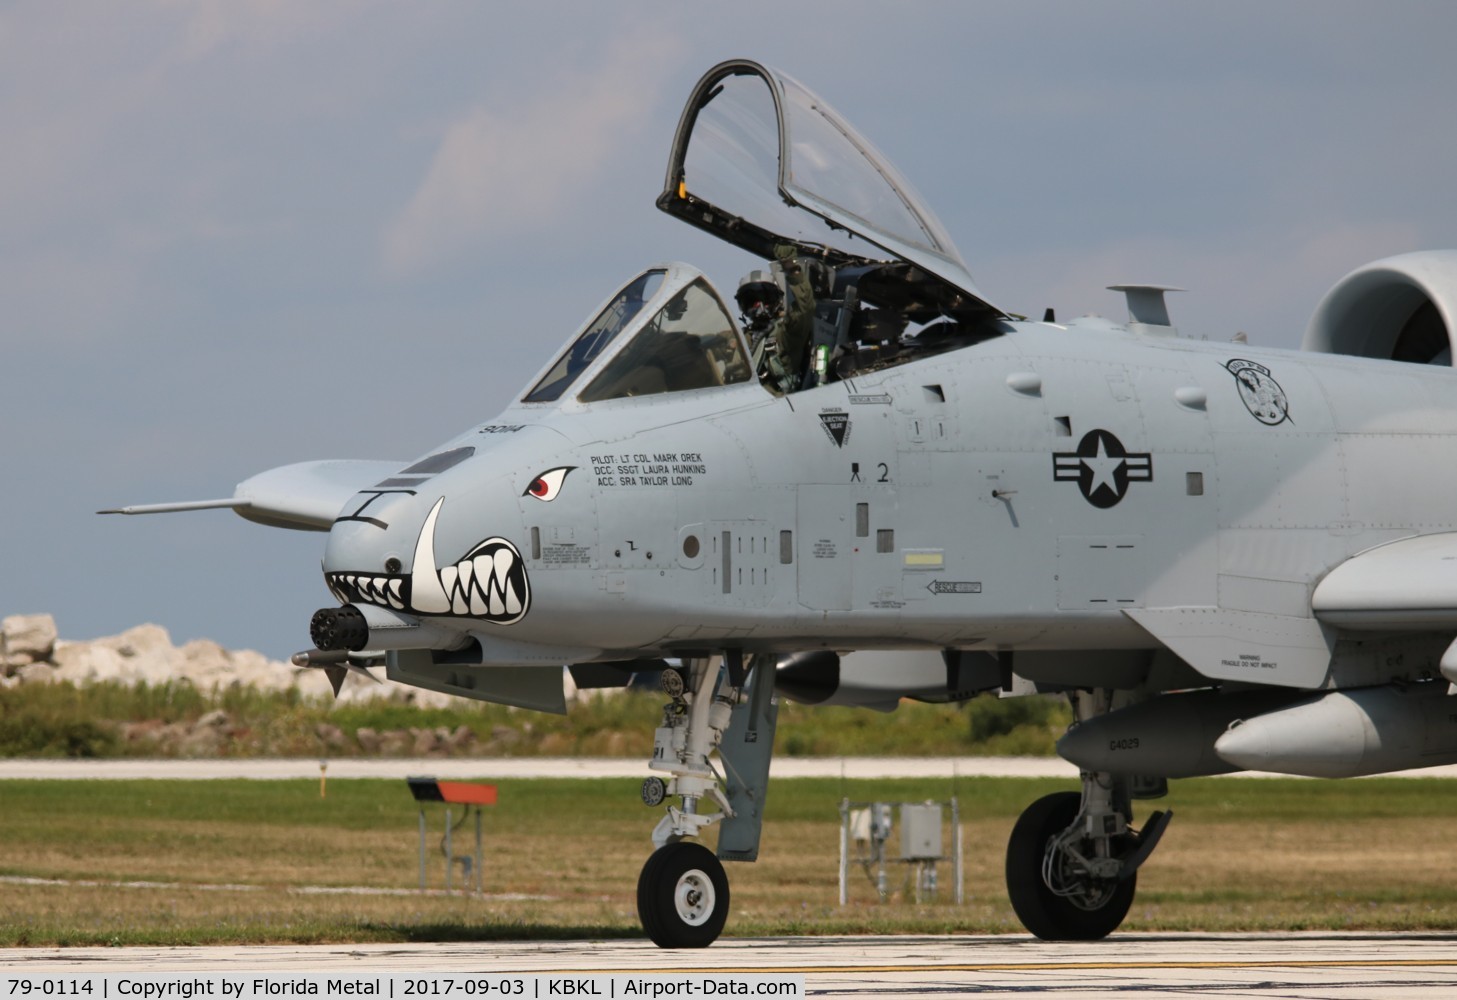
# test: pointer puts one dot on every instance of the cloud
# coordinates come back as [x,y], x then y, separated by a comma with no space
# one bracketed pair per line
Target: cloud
[118,154]
[211,25]
[510,166]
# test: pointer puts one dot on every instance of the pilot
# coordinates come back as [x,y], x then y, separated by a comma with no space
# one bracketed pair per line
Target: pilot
[778,337]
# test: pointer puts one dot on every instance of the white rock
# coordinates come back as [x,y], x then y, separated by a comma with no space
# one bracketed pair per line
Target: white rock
[36,673]
[202,742]
[141,640]
[148,653]
[88,663]
[252,669]
[216,719]
[206,664]
[27,638]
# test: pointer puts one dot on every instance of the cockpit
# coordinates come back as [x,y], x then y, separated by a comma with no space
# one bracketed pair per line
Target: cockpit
[867,276]
[672,333]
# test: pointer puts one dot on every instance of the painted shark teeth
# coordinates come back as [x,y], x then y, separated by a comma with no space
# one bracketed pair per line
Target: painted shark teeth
[364,588]
[489,582]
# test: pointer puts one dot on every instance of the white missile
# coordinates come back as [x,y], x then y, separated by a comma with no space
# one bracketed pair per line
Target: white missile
[1342,734]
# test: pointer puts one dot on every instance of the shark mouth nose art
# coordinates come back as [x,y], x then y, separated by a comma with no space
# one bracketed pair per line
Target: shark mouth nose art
[489,582]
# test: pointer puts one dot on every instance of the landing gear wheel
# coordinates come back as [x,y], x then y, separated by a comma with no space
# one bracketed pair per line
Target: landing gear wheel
[682,896]
[1093,912]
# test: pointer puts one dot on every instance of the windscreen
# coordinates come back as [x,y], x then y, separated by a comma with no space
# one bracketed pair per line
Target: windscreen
[689,344]
[621,311]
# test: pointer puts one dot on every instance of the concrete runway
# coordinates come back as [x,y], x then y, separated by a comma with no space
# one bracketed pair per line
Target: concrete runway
[493,768]
[489,769]
[1150,966]
[1318,965]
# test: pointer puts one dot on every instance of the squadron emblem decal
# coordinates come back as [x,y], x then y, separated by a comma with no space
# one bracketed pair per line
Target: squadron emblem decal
[1262,395]
[1102,468]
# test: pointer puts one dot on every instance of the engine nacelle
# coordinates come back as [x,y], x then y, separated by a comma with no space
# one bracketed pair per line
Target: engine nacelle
[1401,308]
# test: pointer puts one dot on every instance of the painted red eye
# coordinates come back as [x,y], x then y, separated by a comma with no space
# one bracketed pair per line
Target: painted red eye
[546,486]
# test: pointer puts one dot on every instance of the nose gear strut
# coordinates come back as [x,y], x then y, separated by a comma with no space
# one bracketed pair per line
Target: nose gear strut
[682,892]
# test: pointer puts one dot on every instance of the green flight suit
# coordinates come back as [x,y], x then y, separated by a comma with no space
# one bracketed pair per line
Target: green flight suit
[791,332]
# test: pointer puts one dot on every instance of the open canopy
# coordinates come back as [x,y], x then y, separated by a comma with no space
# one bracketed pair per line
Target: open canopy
[758,160]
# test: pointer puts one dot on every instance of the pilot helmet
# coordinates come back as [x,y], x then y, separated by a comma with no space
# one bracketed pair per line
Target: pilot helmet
[759,297]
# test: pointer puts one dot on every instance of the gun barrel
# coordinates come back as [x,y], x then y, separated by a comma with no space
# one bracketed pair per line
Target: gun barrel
[355,627]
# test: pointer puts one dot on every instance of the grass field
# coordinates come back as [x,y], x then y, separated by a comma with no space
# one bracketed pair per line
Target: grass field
[230,861]
[117,720]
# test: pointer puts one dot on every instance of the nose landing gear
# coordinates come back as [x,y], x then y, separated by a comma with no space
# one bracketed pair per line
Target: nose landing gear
[683,892]
[683,896]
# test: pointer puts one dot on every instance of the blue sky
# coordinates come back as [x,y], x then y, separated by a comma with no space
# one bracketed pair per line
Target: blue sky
[235,235]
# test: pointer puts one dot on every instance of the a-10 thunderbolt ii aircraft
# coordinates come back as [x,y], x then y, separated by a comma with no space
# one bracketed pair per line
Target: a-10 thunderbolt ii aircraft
[1225,556]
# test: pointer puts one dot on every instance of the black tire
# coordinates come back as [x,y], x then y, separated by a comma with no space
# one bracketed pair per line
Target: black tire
[683,896]
[1047,915]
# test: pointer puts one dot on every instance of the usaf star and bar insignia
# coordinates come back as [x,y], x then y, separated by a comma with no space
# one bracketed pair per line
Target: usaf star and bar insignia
[1102,468]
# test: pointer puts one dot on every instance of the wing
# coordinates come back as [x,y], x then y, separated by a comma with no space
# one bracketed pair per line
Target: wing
[1406,584]
[1224,644]
[306,496]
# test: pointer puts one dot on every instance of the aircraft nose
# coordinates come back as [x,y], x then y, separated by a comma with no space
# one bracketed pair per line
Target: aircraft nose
[366,559]
[411,565]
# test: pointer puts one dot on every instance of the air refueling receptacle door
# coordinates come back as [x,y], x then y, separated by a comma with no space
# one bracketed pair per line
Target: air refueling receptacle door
[758,160]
